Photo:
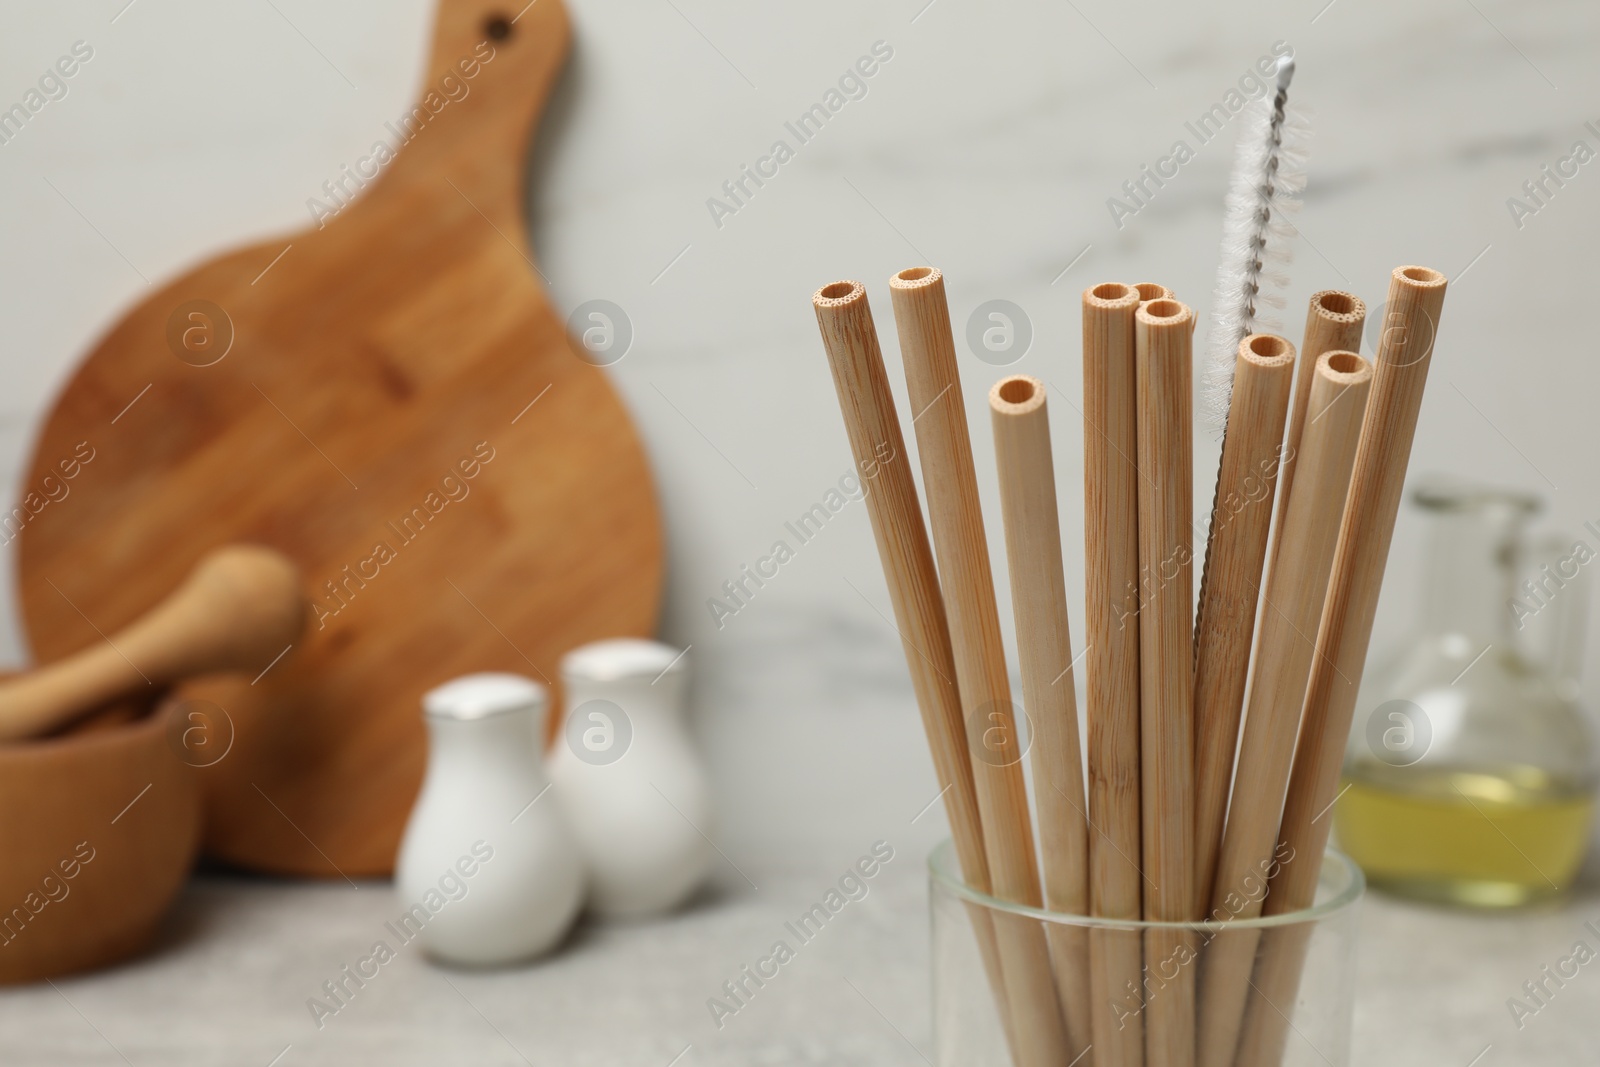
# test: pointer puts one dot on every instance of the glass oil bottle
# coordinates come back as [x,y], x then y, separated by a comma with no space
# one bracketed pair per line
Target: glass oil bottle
[1471,769]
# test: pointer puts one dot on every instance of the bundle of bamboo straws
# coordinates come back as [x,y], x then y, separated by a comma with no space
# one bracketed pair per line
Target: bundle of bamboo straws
[1158,835]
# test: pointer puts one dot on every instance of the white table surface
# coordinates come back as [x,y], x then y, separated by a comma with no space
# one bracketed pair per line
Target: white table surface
[230,980]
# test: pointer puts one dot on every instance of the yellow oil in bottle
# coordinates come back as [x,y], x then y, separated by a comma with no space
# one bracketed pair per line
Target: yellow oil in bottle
[1498,839]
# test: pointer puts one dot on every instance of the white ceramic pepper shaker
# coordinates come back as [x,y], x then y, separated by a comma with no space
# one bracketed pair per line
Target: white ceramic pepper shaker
[636,788]
[489,872]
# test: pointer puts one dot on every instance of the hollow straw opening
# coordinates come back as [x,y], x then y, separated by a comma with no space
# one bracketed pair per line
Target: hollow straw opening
[1017,395]
[1268,346]
[836,293]
[1152,291]
[1344,368]
[1345,362]
[1017,390]
[1164,310]
[1421,275]
[1337,303]
[1340,882]
[1111,296]
[913,277]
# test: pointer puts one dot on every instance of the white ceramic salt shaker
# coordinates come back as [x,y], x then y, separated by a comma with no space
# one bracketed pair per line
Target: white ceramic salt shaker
[489,872]
[636,788]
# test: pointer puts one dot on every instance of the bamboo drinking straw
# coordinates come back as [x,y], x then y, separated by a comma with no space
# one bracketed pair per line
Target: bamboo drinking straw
[1337,399]
[1231,582]
[848,335]
[1334,320]
[1405,350]
[922,320]
[1166,667]
[1111,552]
[1149,291]
[1044,645]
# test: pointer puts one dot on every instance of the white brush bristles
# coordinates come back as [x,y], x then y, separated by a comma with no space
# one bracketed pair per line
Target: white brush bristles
[1269,174]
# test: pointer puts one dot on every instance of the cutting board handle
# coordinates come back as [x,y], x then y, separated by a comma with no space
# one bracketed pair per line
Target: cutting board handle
[489,72]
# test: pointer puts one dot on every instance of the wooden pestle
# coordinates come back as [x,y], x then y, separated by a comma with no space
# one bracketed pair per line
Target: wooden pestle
[239,608]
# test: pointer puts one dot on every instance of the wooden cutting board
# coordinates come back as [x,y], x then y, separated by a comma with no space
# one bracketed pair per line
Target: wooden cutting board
[397,408]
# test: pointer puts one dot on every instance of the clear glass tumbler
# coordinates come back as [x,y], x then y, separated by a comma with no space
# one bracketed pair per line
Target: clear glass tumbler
[1266,992]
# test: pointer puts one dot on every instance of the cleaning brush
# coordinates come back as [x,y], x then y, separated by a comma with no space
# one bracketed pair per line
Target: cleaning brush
[1250,413]
[1268,177]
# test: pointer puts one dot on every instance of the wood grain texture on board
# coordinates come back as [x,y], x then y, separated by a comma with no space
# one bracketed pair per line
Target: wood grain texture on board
[373,417]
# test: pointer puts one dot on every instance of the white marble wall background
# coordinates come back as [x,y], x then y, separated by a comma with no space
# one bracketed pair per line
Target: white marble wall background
[988,145]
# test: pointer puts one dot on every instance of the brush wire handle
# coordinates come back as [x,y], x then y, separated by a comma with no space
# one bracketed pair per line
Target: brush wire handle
[240,607]
[1265,185]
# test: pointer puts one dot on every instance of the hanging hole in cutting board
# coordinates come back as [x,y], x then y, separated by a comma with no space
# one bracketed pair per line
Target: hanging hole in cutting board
[498,27]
